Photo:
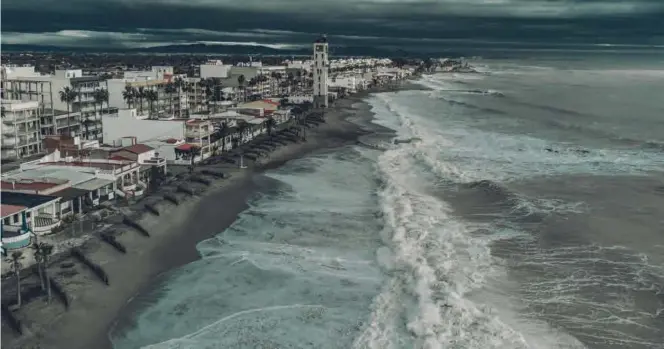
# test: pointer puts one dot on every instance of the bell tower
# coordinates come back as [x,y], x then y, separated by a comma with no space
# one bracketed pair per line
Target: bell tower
[320,70]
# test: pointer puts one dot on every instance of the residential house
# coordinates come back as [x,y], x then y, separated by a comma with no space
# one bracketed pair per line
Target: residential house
[14,231]
[42,212]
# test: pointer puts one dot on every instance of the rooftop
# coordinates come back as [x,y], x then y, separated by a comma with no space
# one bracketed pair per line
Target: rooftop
[8,210]
[30,184]
[90,164]
[27,200]
[57,172]
[138,148]
[70,193]
[93,184]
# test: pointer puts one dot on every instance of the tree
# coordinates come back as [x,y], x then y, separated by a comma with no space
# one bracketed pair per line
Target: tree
[181,87]
[47,250]
[101,97]
[16,266]
[220,133]
[140,94]
[129,95]
[270,123]
[240,81]
[241,131]
[43,252]
[170,90]
[193,152]
[37,248]
[152,96]
[68,96]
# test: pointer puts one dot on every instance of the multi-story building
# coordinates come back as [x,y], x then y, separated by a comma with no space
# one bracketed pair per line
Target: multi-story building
[82,116]
[20,129]
[320,72]
[171,97]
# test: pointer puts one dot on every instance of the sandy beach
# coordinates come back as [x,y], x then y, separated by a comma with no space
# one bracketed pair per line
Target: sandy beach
[96,307]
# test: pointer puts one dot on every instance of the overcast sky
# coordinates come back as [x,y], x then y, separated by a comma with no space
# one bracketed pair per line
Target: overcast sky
[284,24]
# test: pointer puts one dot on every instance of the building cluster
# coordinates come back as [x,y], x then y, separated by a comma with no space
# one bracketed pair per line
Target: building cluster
[80,141]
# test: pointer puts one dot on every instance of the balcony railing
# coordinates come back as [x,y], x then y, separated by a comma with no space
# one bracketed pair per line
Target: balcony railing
[20,239]
[154,161]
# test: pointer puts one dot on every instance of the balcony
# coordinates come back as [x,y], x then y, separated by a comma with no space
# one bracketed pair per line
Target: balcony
[44,224]
[15,237]
[154,161]
[129,187]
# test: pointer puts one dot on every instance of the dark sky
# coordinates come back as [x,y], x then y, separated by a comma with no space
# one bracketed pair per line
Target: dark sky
[420,25]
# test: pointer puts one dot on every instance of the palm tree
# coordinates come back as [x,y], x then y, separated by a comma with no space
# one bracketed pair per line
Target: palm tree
[129,95]
[47,251]
[37,248]
[68,96]
[170,89]
[223,130]
[43,252]
[152,96]
[181,87]
[240,81]
[16,268]
[140,94]
[270,123]
[241,130]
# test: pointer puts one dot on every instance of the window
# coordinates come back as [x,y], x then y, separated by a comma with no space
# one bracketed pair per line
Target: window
[6,221]
[27,214]
[15,218]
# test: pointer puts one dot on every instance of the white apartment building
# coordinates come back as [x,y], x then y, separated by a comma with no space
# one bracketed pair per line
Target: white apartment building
[320,71]
[214,69]
[21,135]
[172,100]
[83,118]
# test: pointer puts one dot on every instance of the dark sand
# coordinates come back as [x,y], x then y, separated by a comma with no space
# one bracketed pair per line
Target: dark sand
[95,307]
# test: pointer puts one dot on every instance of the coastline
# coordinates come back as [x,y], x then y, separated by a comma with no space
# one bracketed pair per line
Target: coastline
[96,308]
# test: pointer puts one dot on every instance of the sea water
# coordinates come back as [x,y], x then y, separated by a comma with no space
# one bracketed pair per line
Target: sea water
[517,216]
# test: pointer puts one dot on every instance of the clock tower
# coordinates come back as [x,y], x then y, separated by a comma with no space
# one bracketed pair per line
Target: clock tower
[320,70]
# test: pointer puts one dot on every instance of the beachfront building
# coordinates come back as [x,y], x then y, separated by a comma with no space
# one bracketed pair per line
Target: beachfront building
[123,175]
[128,122]
[41,213]
[14,231]
[79,116]
[154,93]
[21,132]
[320,72]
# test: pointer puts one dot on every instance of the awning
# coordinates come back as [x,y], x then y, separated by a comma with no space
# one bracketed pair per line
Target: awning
[186,147]
[93,184]
[256,121]
[70,193]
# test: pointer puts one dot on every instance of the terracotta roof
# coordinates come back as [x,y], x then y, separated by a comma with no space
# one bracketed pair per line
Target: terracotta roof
[8,210]
[118,157]
[138,148]
[171,141]
[271,102]
[26,185]
[186,147]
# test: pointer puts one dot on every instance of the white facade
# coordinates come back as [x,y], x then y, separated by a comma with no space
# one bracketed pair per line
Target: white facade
[214,69]
[320,70]
[127,123]
[21,135]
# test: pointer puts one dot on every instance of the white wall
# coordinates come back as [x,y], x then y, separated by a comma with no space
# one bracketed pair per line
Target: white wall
[127,124]
[215,71]
[146,156]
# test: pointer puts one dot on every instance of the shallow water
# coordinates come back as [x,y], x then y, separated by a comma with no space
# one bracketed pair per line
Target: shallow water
[516,217]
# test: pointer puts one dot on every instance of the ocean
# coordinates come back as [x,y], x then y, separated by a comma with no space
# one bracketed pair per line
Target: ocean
[523,208]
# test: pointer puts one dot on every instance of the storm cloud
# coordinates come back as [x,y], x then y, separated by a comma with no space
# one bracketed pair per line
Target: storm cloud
[291,24]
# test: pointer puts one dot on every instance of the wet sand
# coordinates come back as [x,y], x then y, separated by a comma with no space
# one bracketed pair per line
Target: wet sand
[96,307]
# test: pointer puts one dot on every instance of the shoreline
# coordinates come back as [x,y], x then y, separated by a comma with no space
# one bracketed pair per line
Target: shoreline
[97,308]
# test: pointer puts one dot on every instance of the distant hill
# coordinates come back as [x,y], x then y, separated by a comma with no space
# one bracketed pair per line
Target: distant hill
[225,49]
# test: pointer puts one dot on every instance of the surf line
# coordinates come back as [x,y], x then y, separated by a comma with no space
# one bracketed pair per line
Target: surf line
[234,315]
